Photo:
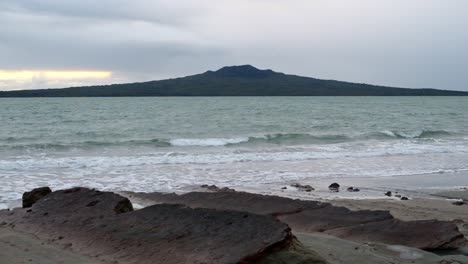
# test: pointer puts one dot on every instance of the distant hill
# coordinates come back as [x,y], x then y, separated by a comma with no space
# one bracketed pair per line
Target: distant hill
[244,80]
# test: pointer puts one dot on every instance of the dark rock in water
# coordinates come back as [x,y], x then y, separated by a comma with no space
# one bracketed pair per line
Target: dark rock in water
[334,187]
[389,194]
[426,234]
[305,188]
[352,189]
[459,203]
[93,223]
[398,195]
[284,188]
[29,198]
[404,198]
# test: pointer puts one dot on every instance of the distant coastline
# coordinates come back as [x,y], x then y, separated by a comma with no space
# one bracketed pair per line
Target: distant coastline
[244,80]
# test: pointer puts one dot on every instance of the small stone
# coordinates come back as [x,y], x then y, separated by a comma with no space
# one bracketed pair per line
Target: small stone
[284,188]
[334,187]
[458,203]
[389,194]
[404,198]
[356,190]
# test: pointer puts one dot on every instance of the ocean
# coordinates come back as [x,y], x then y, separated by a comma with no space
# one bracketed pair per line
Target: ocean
[258,144]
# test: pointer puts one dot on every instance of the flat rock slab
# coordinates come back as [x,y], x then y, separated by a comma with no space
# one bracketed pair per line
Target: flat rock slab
[237,201]
[424,234]
[313,216]
[331,217]
[102,225]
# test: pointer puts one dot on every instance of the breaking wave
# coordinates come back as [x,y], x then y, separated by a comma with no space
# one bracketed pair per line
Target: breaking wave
[267,139]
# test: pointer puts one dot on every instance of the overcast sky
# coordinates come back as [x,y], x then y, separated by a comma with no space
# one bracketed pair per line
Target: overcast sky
[57,43]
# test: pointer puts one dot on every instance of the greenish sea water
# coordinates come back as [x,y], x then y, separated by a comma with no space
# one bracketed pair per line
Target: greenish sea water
[170,144]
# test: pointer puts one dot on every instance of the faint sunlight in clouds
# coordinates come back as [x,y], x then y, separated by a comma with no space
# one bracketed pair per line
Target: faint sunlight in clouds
[32,79]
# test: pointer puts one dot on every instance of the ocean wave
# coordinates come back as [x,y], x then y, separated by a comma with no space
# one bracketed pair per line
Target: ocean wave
[267,139]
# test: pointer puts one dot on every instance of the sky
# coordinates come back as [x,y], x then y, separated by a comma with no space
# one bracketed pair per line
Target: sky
[56,43]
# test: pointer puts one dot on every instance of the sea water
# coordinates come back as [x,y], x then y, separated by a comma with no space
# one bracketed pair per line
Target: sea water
[249,143]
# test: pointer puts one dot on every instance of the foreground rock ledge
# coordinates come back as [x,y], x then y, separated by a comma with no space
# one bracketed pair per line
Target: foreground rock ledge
[104,225]
[313,216]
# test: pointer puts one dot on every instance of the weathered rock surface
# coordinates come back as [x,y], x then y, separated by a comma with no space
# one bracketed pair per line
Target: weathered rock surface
[103,225]
[424,234]
[29,198]
[313,216]
[237,201]
[330,217]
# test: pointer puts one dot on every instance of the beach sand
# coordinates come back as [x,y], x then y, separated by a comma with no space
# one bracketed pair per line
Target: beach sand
[19,248]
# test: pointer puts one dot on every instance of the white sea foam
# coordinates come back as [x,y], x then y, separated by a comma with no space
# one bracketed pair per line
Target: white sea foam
[206,142]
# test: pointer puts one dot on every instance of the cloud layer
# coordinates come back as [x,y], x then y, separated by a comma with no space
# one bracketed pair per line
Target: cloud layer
[418,43]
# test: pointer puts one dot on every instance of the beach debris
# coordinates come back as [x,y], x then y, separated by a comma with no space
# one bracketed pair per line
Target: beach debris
[304,188]
[31,197]
[458,203]
[352,189]
[334,187]
[404,198]
[284,188]
[389,194]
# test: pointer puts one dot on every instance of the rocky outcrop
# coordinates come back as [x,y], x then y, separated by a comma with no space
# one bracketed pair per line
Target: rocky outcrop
[425,234]
[29,198]
[331,217]
[104,225]
[313,216]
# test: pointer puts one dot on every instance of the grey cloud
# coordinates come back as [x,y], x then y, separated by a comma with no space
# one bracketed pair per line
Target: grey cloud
[410,44]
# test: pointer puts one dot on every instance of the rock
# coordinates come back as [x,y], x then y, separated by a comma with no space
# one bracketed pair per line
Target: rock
[29,198]
[305,188]
[334,187]
[284,188]
[331,217]
[311,216]
[404,198]
[352,189]
[458,203]
[424,234]
[389,194]
[398,195]
[215,188]
[92,223]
